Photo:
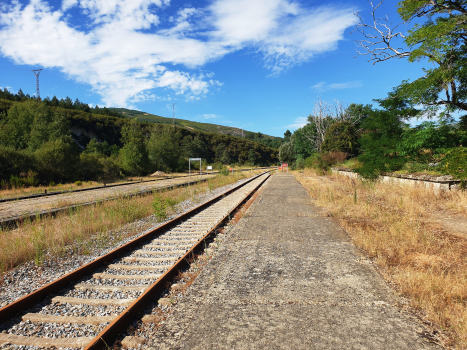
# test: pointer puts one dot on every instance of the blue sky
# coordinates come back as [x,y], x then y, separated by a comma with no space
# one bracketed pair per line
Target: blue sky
[253,64]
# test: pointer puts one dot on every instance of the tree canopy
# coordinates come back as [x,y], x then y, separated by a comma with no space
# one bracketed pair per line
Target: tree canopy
[438,35]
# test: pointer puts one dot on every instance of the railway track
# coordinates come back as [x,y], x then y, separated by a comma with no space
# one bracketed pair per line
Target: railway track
[89,307]
[14,210]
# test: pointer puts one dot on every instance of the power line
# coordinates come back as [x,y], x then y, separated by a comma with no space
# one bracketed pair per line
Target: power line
[36,73]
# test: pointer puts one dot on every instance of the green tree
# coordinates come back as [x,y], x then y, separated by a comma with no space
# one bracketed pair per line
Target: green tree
[194,147]
[428,141]
[15,129]
[340,137]
[379,144]
[133,155]
[286,152]
[252,156]
[303,140]
[165,151]
[57,159]
[438,34]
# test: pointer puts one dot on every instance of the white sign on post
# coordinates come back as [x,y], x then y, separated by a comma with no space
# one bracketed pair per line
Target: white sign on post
[209,167]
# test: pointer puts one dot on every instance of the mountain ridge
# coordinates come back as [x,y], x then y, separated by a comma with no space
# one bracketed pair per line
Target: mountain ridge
[142,116]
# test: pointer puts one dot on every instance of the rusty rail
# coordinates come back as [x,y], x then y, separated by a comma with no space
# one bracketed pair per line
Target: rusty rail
[123,319]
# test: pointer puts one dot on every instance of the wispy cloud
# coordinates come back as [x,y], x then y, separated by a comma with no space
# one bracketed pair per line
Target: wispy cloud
[298,123]
[210,116]
[126,49]
[323,86]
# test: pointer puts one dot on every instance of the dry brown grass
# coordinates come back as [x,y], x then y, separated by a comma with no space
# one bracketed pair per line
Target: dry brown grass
[397,226]
[27,191]
[88,227]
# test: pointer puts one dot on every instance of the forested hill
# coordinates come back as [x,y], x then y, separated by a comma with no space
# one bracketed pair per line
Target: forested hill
[54,143]
[267,140]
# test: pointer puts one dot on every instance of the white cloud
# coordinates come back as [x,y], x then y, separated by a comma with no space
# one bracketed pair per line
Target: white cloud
[210,116]
[298,123]
[126,50]
[323,86]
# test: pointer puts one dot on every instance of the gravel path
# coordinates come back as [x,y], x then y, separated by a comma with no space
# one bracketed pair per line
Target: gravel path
[32,206]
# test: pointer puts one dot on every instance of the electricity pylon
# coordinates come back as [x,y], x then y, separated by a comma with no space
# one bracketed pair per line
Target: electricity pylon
[36,73]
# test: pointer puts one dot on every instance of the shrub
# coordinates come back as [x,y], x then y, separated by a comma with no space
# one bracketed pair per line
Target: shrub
[15,181]
[29,179]
[323,161]
[300,164]
[78,183]
[333,158]
[224,172]
[160,207]
[455,163]
[217,166]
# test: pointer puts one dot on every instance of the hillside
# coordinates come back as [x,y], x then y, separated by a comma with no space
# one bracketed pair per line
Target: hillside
[42,142]
[271,141]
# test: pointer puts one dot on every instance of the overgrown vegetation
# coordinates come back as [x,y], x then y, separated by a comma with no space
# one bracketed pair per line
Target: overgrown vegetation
[401,230]
[65,141]
[381,140]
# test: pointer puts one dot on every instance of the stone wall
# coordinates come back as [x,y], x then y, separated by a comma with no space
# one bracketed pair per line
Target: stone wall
[444,182]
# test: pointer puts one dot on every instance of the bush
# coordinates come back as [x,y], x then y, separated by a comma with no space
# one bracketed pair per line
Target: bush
[14,162]
[455,163]
[333,158]
[224,172]
[162,207]
[217,166]
[78,183]
[58,159]
[323,161]
[15,181]
[300,164]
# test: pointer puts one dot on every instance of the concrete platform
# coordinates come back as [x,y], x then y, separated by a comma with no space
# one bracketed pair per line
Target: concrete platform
[287,278]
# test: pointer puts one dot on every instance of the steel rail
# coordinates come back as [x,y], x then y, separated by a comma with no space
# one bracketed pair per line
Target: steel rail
[12,221]
[121,323]
[31,299]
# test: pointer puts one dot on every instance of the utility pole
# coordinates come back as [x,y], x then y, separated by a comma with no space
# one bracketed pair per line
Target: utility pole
[173,106]
[242,133]
[36,73]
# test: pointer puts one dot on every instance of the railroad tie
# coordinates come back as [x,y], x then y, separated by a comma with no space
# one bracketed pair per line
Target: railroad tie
[126,277]
[79,342]
[157,252]
[96,320]
[175,242]
[135,258]
[155,246]
[135,267]
[102,288]
[94,302]
[179,237]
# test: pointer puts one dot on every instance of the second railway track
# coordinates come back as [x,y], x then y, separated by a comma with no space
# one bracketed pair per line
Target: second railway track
[89,307]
